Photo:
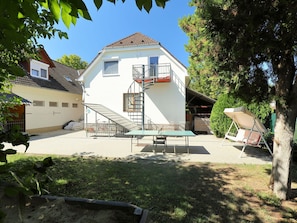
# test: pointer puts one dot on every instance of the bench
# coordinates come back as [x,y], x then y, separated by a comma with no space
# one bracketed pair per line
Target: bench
[246,136]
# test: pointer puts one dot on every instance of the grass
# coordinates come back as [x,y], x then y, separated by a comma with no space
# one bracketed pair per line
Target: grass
[172,191]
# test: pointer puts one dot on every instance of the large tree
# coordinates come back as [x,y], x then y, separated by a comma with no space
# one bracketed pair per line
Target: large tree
[73,61]
[251,45]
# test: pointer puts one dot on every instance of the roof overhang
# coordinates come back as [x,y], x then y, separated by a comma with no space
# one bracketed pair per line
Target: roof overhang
[194,94]
[8,97]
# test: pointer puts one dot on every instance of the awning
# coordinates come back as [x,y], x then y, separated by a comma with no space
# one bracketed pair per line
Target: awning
[8,97]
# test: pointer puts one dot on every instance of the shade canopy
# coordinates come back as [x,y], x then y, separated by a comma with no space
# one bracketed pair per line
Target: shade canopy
[245,119]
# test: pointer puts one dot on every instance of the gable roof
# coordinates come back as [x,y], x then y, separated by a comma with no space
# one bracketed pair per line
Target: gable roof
[135,39]
[61,78]
[44,57]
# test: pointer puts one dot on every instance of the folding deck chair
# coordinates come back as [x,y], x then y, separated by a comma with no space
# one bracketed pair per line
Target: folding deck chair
[248,128]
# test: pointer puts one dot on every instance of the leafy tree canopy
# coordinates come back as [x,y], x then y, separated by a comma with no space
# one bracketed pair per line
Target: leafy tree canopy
[73,61]
[247,46]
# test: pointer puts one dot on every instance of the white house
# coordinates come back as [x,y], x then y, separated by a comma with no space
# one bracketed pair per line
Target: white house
[54,93]
[136,80]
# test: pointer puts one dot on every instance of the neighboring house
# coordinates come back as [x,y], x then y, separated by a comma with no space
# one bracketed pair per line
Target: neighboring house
[54,93]
[135,83]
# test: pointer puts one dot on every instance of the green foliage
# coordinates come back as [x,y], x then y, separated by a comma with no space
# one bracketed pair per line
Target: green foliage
[251,46]
[220,123]
[205,78]
[269,199]
[21,180]
[236,44]
[73,61]
[13,134]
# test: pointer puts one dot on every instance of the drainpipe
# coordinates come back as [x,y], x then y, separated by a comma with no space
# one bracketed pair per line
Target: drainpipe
[142,109]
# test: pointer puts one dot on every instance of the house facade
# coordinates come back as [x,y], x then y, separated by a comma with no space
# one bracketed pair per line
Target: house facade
[136,80]
[54,93]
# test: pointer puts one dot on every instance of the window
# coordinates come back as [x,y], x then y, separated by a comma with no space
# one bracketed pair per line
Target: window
[65,105]
[43,73]
[110,68]
[132,102]
[74,105]
[53,104]
[39,69]
[154,66]
[35,73]
[38,103]
[67,78]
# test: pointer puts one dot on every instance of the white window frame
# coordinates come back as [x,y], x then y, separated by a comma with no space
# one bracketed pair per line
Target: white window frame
[34,73]
[107,73]
[43,73]
[39,67]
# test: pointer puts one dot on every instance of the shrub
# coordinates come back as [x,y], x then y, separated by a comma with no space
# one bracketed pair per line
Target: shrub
[219,122]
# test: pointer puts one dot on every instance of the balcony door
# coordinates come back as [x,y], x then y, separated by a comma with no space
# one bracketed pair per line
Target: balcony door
[154,61]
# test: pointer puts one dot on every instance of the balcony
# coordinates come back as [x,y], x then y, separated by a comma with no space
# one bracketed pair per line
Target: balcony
[159,73]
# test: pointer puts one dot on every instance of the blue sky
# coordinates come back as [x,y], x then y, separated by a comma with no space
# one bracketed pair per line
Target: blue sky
[114,22]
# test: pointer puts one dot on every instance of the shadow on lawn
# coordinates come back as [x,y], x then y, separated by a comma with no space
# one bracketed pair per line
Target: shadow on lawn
[293,193]
[172,192]
[259,153]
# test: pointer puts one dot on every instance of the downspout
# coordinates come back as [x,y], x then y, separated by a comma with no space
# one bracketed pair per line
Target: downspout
[142,109]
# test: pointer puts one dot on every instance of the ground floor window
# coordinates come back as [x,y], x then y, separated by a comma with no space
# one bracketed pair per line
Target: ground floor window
[65,105]
[53,104]
[132,102]
[38,103]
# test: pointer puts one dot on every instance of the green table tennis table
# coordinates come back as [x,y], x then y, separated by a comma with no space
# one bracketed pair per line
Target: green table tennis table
[162,133]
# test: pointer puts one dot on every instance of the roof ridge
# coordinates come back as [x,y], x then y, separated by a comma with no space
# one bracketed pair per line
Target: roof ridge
[134,39]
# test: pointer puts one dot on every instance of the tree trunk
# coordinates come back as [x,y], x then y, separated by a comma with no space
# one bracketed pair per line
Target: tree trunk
[282,154]
[286,110]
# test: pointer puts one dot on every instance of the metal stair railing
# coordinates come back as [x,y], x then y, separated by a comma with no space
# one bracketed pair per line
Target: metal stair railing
[112,115]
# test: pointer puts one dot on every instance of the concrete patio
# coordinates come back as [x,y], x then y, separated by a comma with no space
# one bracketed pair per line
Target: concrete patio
[203,148]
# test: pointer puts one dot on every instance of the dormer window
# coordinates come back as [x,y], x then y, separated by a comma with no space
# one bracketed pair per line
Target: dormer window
[34,72]
[43,73]
[39,69]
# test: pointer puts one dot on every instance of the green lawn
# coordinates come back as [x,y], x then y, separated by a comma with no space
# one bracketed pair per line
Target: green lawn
[171,191]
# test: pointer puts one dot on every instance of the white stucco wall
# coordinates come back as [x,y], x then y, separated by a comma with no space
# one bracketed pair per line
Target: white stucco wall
[164,102]
[46,117]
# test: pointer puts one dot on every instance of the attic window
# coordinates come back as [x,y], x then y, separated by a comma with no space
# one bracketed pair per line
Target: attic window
[39,69]
[43,73]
